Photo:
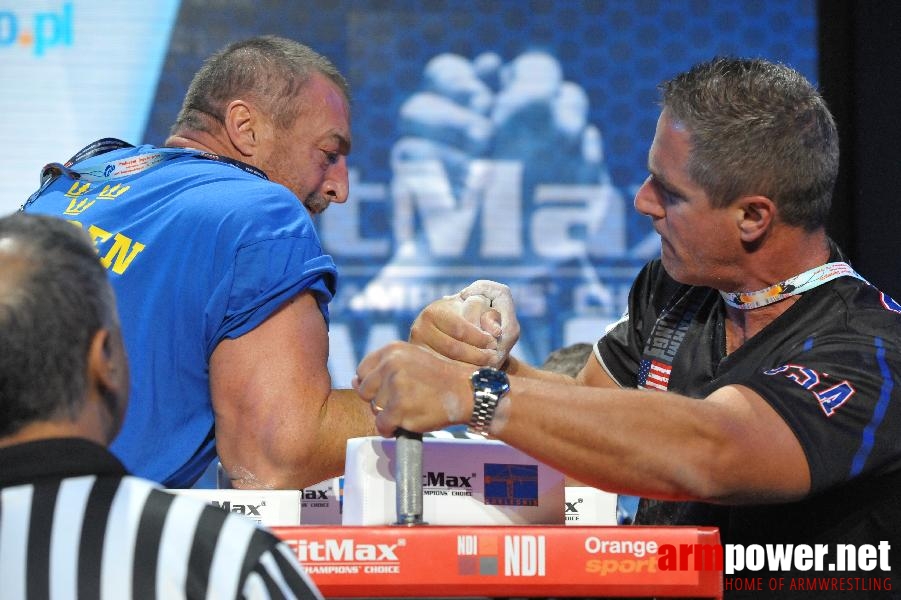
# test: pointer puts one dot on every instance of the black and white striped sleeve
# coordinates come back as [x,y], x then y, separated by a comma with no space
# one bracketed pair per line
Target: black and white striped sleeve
[115,537]
[227,556]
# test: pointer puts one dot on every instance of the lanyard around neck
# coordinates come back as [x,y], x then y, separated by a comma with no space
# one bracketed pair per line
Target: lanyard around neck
[792,286]
[123,167]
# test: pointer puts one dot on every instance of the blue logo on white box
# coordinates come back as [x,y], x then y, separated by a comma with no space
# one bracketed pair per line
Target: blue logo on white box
[511,485]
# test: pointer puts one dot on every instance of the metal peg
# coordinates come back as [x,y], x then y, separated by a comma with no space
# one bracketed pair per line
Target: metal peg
[408,478]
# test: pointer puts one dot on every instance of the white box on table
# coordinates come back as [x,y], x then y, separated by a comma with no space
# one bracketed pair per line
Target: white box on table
[589,506]
[268,507]
[465,482]
[320,504]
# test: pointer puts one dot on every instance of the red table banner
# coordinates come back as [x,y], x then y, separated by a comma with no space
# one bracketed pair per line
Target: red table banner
[422,561]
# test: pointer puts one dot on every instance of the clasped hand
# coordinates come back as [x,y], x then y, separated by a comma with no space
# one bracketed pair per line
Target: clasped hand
[424,385]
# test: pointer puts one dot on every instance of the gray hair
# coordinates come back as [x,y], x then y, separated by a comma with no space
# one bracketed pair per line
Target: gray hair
[49,311]
[568,360]
[268,69]
[758,128]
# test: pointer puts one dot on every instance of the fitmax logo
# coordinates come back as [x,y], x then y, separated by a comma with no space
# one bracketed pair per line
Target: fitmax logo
[346,550]
[251,510]
[41,30]
[315,495]
[442,479]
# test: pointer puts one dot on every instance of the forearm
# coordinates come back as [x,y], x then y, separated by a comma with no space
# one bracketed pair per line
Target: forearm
[516,367]
[343,416]
[594,435]
[296,455]
[585,436]
[645,443]
[731,446]
[279,423]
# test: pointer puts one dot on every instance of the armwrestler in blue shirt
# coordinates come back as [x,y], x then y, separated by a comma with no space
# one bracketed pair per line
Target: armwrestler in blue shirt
[222,284]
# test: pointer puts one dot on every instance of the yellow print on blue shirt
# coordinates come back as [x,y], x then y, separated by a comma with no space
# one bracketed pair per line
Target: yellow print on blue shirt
[120,249]
[79,202]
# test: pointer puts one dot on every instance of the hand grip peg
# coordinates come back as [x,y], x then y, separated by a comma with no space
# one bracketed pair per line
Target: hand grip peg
[408,477]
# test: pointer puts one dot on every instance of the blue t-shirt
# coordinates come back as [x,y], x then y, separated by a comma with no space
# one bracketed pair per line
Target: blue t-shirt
[198,250]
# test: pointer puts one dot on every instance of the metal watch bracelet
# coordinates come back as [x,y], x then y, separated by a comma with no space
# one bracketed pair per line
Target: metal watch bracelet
[483,409]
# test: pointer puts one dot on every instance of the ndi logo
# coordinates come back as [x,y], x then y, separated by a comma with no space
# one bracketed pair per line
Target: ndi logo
[477,555]
[40,30]
[524,555]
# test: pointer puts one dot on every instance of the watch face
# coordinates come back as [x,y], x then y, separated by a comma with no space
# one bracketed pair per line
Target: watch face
[491,380]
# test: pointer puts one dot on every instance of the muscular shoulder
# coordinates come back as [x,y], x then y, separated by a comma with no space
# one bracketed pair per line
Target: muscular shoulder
[240,205]
[223,187]
[859,308]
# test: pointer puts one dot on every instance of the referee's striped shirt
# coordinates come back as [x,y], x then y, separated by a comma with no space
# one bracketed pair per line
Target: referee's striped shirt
[74,525]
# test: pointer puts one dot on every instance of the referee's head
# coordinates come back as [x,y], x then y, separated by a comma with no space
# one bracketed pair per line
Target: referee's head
[63,370]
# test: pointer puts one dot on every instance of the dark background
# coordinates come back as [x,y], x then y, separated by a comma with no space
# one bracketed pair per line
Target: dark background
[860,78]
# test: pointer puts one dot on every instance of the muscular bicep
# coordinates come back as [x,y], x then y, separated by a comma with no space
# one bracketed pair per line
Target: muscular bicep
[268,388]
[595,375]
[763,460]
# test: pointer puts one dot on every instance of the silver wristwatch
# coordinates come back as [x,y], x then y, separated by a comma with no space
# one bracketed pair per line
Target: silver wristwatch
[489,385]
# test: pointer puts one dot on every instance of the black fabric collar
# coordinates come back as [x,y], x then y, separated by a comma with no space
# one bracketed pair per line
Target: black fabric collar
[54,459]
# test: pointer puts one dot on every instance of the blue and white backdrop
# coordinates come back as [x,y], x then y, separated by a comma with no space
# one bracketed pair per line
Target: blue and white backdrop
[497,139]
